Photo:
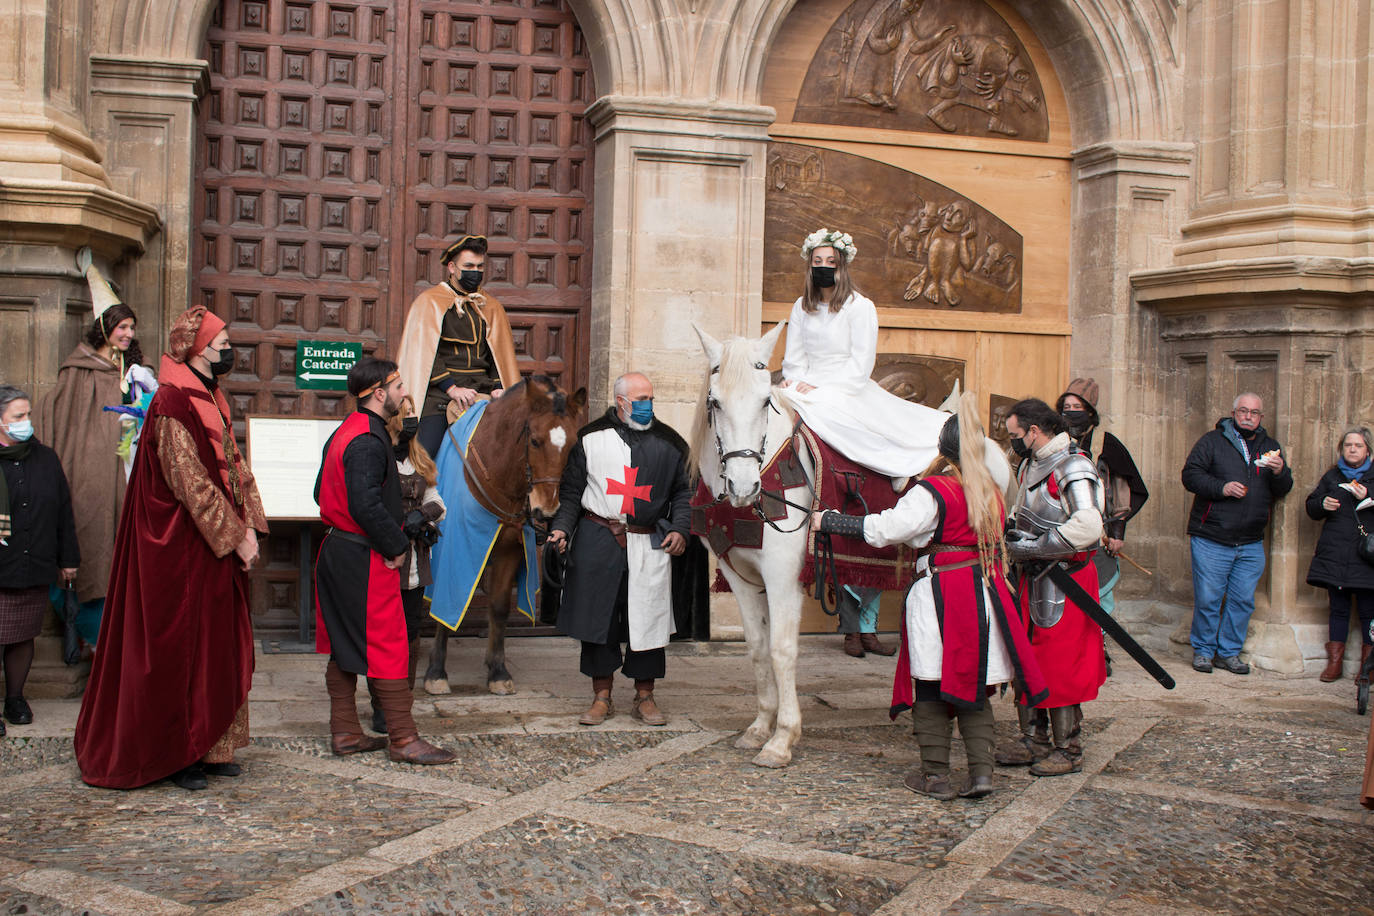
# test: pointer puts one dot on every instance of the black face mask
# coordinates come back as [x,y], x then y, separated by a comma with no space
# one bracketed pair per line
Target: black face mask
[1080,422]
[822,277]
[1020,447]
[224,363]
[409,427]
[469,280]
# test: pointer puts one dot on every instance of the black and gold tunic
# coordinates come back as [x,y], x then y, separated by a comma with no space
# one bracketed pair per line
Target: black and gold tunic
[463,356]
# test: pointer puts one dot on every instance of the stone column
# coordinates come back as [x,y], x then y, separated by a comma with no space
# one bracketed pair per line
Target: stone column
[1129,199]
[144,111]
[679,239]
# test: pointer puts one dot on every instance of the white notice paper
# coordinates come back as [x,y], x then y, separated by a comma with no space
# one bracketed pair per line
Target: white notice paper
[284,453]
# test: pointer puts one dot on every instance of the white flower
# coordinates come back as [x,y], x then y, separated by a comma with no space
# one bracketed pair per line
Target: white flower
[824,237]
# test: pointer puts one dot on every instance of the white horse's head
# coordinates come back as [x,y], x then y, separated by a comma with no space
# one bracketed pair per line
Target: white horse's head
[735,420]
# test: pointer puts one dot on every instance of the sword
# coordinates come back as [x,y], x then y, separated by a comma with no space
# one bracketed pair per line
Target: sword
[1085,602]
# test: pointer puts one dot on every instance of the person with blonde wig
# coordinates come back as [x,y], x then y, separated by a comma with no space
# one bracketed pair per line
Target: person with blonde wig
[962,634]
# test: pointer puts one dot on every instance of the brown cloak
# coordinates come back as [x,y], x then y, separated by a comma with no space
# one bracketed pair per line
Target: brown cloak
[71,421]
[421,338]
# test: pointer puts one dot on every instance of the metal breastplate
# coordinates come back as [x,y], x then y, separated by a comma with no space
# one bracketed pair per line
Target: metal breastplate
[1041,512]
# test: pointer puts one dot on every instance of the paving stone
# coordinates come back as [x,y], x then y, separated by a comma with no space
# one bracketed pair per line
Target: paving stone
[512,762]
[1301,765]
[550,865]
[15,902]
[269,825]
[981,903]
[19,754]
[826,799]
[1210,857]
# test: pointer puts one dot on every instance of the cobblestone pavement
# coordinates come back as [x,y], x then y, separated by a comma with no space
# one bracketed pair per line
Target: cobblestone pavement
[1228,794]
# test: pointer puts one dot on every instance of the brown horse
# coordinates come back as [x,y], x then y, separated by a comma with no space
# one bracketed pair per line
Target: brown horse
[513,464]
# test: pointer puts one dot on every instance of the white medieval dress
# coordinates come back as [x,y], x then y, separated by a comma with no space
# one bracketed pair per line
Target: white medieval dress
[834,351]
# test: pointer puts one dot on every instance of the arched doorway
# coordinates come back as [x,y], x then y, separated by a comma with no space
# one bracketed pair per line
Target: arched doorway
[342,144]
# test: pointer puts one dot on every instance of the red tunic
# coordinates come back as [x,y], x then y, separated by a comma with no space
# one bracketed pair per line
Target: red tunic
[358,615]
[1070,652]
[964,618]
[176,644]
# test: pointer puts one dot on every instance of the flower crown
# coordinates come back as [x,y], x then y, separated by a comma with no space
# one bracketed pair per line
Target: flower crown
[821,238]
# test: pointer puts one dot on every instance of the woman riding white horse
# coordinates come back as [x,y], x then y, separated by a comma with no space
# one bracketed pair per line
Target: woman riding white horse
[832,341]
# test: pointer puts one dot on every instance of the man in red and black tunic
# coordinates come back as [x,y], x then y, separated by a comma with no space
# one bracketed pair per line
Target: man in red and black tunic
[359,618]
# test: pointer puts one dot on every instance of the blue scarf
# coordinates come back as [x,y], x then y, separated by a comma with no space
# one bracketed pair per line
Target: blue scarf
[1353,473]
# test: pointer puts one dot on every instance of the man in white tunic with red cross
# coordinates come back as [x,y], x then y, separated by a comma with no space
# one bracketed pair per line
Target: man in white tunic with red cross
[623,514]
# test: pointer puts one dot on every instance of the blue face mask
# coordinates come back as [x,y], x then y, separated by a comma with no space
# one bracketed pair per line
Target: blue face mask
[21,430]
[642,412]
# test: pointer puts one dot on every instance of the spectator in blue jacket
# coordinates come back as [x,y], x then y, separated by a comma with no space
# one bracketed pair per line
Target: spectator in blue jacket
[1235,472]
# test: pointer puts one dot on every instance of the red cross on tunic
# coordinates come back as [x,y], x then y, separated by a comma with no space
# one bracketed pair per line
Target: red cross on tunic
[628,490]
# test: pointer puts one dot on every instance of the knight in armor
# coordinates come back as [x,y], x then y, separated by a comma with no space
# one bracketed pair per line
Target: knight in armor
[457,343]
[962,634]
[832,342]
[1056,520]
[623,514]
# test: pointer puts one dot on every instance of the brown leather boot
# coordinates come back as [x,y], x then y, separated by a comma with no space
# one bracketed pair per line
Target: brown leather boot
[406,744]
[1335,656]
[853,645]
[871,644]
[1033,743]
[602,708]
[345,732]
[1067,756]
[646,710]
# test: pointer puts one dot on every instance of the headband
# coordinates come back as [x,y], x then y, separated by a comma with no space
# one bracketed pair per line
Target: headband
[367,392]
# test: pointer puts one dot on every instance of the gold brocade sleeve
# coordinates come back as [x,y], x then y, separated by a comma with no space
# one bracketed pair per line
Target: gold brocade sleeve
[190,483]
[252,499]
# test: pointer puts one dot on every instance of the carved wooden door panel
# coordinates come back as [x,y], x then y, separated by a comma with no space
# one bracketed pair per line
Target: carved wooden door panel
[342,146]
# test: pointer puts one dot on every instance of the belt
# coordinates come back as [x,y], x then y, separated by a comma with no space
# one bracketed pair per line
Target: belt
[349,536]
[935,570]
[616,528]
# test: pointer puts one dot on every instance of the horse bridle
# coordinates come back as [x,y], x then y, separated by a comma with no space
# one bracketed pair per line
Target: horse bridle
[473,465]
[758,455]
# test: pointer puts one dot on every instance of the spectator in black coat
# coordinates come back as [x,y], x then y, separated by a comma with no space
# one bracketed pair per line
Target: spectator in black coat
[1235,472]
[1336,566]
[37,542]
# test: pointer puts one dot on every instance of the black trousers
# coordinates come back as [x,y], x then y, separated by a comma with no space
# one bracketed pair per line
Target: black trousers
[413,603]
[431,432]
[603,659]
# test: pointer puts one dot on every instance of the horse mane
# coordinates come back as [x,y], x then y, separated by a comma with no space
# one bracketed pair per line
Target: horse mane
[735,369]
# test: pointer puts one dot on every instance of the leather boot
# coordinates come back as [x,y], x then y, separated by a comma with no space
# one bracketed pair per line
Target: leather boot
[602,708]
[870,643]
[1335,656]
[1032,745]
[976,728]
[1360,676]
[345,732]
[853,645]
[932,726]
[406,744]
[379,717]
[1067,756]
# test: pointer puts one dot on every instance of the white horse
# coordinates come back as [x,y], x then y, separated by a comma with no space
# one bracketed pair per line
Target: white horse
[738,422]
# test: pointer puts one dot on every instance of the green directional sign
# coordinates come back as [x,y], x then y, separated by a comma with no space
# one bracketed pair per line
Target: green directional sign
[324,364]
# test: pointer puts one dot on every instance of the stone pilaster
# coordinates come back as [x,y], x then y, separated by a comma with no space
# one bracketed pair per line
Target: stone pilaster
[679,239]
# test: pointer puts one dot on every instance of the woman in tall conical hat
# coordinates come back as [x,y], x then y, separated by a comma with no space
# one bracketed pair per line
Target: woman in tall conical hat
[832,342]
[92,419]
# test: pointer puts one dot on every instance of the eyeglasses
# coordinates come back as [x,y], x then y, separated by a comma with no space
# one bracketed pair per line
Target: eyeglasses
[1248,412]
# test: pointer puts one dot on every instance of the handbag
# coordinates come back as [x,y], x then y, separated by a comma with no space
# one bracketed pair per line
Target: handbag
[1364,544]
[71,641]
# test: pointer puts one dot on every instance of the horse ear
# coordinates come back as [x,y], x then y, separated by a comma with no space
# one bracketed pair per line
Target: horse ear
[765,345]
[578,402]
[712,347]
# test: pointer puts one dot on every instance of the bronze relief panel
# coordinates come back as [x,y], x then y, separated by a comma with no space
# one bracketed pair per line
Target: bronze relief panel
[927,380]
[940,66]
[920,243]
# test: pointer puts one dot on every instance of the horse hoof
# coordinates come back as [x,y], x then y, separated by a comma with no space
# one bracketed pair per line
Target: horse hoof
[772,760]
[437,686]
[501,688]
[750,741]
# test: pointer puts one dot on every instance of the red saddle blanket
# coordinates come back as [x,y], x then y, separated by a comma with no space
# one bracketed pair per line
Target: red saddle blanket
[841,484]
